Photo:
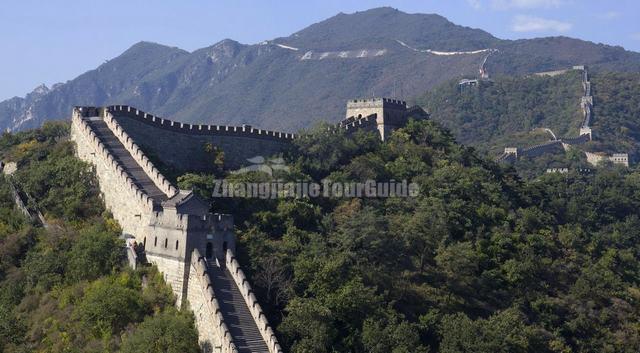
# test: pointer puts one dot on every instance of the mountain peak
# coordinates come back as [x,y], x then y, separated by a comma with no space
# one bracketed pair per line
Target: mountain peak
[151,47]
[41,89]
[368,29]
[38,92]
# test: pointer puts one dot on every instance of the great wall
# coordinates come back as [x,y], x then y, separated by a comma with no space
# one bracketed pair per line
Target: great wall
[512,154]
[24,202]
[193,248]
[171,141]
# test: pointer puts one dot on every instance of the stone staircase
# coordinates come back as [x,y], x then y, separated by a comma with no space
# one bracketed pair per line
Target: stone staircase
[120,153]
[241,324]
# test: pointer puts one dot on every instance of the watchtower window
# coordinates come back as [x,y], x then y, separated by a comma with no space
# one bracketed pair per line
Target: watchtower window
[176,245]
[155,241]
[166,243]
[209,252]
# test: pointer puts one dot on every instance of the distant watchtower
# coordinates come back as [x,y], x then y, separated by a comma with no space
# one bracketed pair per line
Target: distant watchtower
[390,114]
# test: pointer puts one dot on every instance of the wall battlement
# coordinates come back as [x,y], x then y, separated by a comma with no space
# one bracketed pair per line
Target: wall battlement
[212,328]
[389,114]
[252,303]
[161,182]
[376,102]
[197,129]
[353,123]
[89,137]
[170,142]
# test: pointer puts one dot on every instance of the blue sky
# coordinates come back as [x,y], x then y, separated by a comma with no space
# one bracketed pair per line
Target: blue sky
[54,41]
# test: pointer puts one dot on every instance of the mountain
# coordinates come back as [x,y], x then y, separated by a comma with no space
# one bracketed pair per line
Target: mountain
[508,111]
[292,82]
[517,111]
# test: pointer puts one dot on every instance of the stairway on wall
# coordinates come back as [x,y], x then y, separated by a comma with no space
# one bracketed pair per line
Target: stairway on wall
[131,167]
[237,316]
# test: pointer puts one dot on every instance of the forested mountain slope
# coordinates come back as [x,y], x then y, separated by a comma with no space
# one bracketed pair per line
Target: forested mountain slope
[65,288]
[479,262]
[616,123]
[508,111]
[514,111]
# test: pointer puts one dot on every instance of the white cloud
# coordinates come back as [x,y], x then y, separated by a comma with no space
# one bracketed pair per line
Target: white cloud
[609,15]
[523,23]
[525,4]
[476,4]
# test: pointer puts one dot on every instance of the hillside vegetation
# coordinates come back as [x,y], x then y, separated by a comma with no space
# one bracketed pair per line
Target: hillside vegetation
[65,288]
[616,123]
[479,262]
[511,111]
[508,111]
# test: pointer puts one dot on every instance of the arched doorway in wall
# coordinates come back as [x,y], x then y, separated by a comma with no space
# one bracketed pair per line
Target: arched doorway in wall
[209,251]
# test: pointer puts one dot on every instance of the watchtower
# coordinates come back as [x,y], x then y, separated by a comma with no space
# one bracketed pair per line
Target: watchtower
[390,114]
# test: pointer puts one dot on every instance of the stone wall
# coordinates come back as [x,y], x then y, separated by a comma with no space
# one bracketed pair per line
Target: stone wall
[130,206]
[182,146]
[161,182]
[585,134]
[390,113]
[616,158]
[583,138]
[551,73]
[213,333]
[250,299]
[352,124]
[174,232]
[541,149]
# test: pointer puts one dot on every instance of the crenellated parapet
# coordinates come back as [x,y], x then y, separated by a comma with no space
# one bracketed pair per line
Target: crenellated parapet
[161,182]
[583,138]
[351,124]
[212,328]
[383,114]
[252,303]
[195,147]
[198,129]
[540,149]
[101,154]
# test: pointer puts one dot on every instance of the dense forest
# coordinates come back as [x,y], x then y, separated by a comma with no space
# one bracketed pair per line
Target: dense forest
[65,288]
[481,261]
[617,113]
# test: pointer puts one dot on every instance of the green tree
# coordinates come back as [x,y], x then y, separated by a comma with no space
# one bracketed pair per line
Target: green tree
[167,332]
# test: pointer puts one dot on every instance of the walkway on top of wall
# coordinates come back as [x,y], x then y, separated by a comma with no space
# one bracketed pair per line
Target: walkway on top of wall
[237,316]
[126,160]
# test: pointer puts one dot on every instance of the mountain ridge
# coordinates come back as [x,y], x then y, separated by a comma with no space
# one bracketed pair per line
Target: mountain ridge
[290,83]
